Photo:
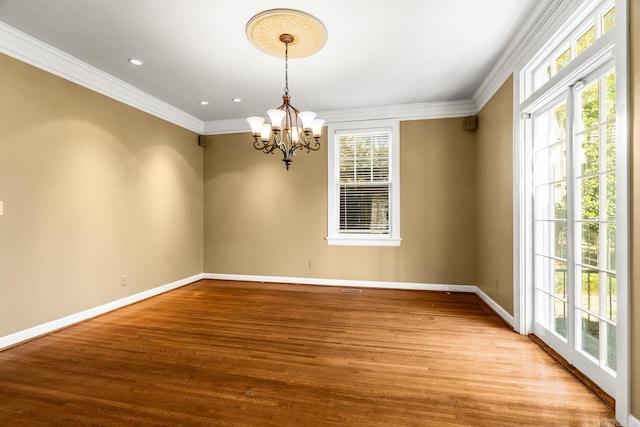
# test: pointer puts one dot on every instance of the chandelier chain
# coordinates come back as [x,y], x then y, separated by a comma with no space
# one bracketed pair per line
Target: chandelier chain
[286,68]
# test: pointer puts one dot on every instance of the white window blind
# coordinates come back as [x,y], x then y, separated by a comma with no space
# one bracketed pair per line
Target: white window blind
[364,183]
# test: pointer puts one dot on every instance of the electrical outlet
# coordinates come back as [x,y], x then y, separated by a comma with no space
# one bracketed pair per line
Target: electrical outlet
[1,208]
[497,284]
[312,264]
[123,278]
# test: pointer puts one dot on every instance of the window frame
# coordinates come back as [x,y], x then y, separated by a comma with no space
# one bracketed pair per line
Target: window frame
[334,236]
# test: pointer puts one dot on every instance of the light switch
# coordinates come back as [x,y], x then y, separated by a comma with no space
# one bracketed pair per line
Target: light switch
[1,208]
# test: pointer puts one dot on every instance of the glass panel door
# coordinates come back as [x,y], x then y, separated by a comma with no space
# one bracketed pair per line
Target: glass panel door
[550,249]
[574,225]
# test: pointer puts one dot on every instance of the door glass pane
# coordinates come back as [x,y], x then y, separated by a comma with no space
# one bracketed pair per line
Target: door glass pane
[553,162]
[560,317]
[611,299]
[611,346]
[610,250]
[589,189]
[589,152]
[590,242]
[552,239]
[542,308]
[589,334]
[590,289]
[610,140]
[544,272]
[560,279]
[610,102]
[551,201]
[588,105]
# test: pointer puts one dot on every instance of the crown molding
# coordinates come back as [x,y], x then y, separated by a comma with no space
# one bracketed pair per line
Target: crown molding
[28,49]
[519,47]
[418,111]
[524,43]
[541,25]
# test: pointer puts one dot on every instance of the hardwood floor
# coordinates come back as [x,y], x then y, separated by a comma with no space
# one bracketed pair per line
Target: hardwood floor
[219,353]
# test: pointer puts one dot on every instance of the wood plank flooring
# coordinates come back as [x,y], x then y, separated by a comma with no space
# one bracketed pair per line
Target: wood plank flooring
[218,353]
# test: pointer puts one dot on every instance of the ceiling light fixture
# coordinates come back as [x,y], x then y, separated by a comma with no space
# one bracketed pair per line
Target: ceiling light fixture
[204,102]
[236,99]
[135,61]
[290,129]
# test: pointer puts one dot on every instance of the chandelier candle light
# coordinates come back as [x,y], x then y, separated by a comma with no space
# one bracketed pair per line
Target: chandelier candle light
[290,129]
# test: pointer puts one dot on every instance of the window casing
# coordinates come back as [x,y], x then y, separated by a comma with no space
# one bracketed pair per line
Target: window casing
[364,183]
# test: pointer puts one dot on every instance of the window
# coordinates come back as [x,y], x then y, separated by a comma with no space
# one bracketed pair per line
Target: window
[364,183]
[593,27]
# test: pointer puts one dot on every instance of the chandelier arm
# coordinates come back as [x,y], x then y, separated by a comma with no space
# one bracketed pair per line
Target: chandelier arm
[266,147]
[315,147]
[307,146]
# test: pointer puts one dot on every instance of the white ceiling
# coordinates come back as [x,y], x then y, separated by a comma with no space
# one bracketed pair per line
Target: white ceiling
[378,52]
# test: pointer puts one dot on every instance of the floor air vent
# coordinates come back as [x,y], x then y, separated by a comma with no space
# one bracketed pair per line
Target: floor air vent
[352,291]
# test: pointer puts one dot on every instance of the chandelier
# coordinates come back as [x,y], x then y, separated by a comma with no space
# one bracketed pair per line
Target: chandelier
[290,130]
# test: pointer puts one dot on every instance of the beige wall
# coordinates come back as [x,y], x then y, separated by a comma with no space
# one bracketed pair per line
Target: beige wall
[494,183]
[262,220]
[635,206]
[92,190]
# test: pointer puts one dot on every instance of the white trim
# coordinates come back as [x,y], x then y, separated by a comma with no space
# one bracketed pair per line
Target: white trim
[523,320]
[343,283]
[418,111]
[222,127]
[495,306]
[54,325]
[22,46]
[633,421]
[623,225]
[362,240]
[368,284]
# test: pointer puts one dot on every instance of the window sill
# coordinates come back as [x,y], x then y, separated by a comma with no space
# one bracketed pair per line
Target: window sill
[362,241]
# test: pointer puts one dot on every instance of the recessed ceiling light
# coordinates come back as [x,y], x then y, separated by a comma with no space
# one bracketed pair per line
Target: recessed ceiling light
[204,102]
[135,61]
[237,99]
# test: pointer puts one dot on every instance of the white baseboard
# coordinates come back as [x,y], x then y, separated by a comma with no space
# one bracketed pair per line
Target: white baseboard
[45,328]
[495,306]
[343,283]
[633,422]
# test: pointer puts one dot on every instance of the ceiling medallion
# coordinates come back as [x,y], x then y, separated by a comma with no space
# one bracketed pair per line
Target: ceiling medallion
[264,31]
